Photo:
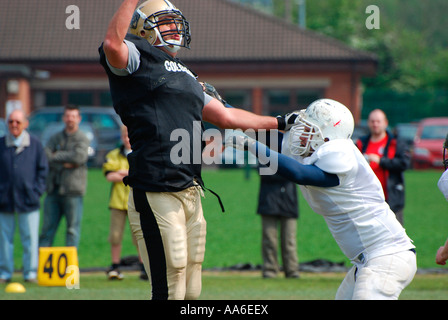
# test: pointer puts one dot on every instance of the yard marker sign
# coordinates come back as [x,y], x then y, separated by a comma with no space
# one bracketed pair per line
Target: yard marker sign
[58,267]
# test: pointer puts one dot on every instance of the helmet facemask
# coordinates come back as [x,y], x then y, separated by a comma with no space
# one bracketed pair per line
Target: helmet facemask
[322,121]
[151,26]
[304,137]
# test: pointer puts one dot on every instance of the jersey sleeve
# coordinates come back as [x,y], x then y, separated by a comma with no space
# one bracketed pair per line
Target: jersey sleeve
[207,99]
[133,61]
[293,170]
[334,157]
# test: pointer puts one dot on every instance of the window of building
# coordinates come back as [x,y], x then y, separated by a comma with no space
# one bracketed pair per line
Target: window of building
[305,97]
[53,98]
[238,98]
[281,101]
[82,98]
[106,99]
[277,102]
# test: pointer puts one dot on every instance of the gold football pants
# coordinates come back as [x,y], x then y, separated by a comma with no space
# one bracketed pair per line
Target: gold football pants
[170,230]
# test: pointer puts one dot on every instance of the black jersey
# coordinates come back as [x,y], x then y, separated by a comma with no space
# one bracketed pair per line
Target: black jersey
[162,96]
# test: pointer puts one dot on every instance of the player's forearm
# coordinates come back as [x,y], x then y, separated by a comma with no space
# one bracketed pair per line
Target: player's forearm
[116,176]
[227,117]
[120,22]
[242,119]
[114,46]
[292,170]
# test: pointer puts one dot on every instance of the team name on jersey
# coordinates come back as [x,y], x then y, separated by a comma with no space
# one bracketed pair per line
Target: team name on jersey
[172,66]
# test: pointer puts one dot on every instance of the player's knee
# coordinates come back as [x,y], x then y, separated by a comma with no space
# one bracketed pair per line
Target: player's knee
[194,281]
[115,238]
[193,293]
[176,283]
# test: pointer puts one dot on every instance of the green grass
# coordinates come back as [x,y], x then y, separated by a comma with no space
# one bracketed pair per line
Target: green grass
[234,236]
[224,286]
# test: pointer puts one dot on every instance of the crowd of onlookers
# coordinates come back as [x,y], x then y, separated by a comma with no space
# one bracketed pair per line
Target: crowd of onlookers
[28,169]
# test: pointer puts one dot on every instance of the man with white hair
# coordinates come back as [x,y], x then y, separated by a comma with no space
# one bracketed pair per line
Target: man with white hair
[23,170]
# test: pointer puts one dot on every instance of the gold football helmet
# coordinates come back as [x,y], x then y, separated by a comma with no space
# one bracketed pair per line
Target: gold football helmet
[152,14]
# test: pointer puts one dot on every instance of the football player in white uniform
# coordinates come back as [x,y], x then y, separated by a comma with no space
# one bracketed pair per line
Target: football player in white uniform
[338,183]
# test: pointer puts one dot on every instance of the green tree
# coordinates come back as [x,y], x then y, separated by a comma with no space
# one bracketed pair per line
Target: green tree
[411,43]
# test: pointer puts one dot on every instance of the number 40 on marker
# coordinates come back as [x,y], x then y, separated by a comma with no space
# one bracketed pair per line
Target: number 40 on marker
[58,266]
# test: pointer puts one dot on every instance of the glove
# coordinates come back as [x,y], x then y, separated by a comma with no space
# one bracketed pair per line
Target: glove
[286,121]
[212,92]
[240,142]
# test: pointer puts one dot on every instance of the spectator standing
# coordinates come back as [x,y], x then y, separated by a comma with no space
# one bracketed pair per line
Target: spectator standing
[278,208]
[388,157]
[23,169]
[66,181]
[115,168]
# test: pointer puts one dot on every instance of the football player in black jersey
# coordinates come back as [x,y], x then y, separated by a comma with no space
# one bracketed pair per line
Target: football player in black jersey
[155,93]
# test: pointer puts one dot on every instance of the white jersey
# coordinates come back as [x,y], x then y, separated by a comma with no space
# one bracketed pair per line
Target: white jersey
[356,213]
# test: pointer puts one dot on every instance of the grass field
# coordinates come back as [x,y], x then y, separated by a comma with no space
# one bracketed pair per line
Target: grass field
[233,237]
[225,286]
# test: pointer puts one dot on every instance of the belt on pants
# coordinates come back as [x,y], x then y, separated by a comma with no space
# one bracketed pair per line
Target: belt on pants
[361,256]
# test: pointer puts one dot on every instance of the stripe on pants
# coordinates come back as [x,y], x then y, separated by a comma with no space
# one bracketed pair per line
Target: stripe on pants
[154,246]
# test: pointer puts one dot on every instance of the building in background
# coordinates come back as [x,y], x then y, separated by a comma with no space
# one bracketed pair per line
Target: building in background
[256,61]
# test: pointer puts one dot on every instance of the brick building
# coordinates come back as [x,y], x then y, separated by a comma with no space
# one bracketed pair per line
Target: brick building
[49,56]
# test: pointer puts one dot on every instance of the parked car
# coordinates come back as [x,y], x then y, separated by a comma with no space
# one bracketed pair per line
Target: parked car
[3,127]
[85,127]
[359,131]
[104,121]
[428,144]
[407,132]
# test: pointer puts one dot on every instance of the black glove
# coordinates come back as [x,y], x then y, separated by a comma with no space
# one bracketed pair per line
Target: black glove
[212,92]
[286,121]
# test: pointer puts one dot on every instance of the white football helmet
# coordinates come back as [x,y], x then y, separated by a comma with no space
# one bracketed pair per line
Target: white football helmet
[323,120]
[150,15]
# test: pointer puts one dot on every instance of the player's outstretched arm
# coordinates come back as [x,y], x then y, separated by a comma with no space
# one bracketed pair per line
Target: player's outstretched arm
[287,167]
[233,118]
[223,115]
[114,47]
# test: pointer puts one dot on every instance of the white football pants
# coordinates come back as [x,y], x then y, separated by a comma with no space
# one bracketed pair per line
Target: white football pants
[380,278]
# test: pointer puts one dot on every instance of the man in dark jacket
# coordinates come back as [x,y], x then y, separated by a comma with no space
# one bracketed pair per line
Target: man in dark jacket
[278,207]
[389,158]
[23,169]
